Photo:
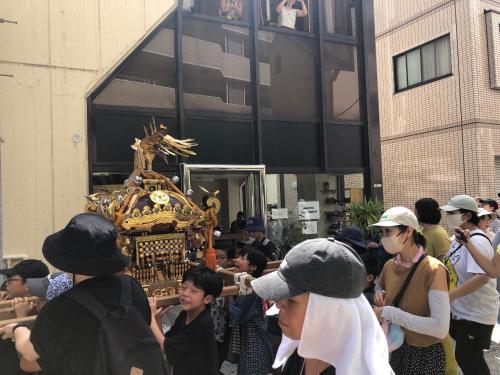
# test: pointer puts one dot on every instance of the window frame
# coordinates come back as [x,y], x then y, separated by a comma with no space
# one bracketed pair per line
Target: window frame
[422,82]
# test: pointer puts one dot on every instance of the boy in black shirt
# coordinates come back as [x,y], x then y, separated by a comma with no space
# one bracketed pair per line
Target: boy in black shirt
[190,344]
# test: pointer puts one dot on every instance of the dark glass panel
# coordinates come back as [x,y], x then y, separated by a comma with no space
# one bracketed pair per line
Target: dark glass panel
[339,17]
[148,79]
[345,146]
[216,63]
[221,142]
[341,82]
[291,145]
[287,77]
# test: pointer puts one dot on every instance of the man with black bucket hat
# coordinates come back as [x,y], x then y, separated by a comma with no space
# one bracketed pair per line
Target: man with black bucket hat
[328,325]
[101,325]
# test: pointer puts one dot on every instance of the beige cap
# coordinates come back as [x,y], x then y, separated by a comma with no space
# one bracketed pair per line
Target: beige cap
[464,202]
[396,216]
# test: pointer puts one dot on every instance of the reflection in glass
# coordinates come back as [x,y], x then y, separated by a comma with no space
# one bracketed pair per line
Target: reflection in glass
[340,17]
[216,60]
[341,81]
[287,77]
[149,78]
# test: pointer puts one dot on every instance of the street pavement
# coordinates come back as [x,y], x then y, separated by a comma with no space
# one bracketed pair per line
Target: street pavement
[493,355]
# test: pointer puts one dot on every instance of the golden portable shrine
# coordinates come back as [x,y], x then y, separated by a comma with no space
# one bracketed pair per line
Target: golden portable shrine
[157,223]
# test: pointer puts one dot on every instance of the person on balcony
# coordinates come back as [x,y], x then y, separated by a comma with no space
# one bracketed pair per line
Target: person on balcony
[231,9]
[288,14]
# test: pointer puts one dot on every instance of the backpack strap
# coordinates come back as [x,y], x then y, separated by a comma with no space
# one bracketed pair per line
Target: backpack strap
[472,235]
[89,302]
[401,293]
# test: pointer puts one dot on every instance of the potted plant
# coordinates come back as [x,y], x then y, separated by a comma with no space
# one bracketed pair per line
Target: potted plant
[365,213]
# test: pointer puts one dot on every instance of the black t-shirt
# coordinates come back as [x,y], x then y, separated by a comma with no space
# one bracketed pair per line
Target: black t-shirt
[267,247]
[294,366]
[191,349]
[65,333]
[9,359]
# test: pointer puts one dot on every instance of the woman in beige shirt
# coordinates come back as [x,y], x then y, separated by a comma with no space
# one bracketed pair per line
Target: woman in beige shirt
[423,312]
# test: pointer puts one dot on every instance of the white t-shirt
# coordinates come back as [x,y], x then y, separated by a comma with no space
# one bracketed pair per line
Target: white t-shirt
[482,305]
[287,17]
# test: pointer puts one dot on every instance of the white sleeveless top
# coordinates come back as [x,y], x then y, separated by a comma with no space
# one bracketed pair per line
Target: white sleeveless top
[287,17]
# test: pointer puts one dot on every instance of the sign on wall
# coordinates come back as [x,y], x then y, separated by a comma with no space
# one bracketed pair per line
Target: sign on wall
[308,210]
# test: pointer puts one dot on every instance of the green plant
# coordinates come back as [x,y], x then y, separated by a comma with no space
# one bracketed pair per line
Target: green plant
[365,213]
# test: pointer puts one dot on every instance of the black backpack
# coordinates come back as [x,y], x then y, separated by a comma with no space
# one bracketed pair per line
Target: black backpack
[124,340]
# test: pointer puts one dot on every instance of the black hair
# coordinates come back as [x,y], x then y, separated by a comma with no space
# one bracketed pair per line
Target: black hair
[427,210]
[474,219]
[240,213]
[3,287]
[204,278]
[229,250]
[371,263]
[255,258]
[418,238]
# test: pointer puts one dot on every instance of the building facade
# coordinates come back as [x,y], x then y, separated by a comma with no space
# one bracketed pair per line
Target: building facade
[437,63]
[84,80]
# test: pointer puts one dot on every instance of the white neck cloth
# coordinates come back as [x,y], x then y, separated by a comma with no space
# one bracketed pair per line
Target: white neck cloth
[343,332]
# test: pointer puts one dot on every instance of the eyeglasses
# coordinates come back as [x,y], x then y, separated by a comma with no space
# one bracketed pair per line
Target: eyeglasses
[14,279]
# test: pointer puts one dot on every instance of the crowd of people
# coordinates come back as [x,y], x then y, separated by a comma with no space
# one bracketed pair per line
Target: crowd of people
[417,302]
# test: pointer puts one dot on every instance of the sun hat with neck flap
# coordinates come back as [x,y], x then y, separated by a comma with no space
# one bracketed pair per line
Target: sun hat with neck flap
[86,246]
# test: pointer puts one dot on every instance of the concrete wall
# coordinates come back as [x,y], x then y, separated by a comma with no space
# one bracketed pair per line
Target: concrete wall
[49,61]
[441,138]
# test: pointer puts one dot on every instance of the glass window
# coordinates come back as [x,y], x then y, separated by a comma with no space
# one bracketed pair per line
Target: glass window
[428,62]
[341,81]
[216,63]
[148,79]
[122,129]
[414,67]
[289,14]
[234,10]
[332,194]
[290,144]
[443,56]
[345,146]
[401,75]
[425,63]
[287,77]
[340,17]
[221,142]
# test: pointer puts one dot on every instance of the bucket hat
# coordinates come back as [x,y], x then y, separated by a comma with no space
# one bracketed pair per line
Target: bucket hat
[86,246]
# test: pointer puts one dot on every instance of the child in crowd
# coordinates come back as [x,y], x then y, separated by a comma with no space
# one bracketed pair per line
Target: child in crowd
[247,314]
[219,312]
[372,266]
[190,344]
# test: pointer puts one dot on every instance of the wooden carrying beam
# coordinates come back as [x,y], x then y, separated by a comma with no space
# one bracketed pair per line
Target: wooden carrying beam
[160,302]
[8,303]
[226,274]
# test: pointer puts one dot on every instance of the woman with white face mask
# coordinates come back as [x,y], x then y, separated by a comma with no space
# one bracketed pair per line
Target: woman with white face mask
[473,295]
[422,308]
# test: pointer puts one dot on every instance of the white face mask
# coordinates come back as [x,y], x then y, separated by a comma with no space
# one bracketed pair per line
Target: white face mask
[393,244]
[454,220]
[251,238]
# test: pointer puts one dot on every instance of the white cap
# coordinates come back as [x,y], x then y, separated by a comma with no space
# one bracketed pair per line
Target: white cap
[464,202]
[396,216]
[482,212]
